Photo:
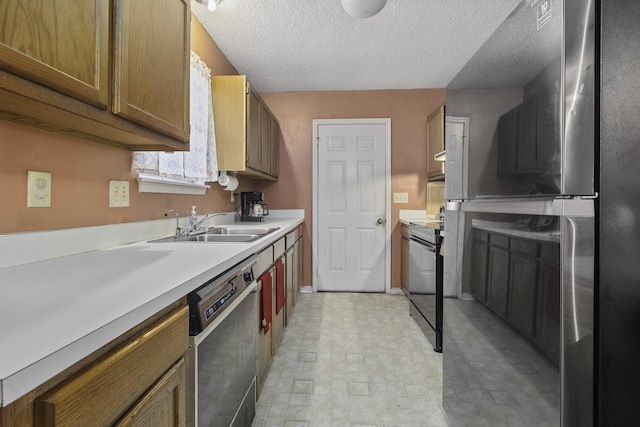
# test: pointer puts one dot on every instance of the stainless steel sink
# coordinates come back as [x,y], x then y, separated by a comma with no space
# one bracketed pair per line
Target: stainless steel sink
[227,238]
[221,235]
[261,231]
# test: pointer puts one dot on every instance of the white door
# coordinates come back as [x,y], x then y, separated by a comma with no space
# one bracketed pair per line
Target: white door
[351,206]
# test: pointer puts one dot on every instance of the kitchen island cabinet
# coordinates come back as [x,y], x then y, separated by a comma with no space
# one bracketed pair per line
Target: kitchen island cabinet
[247,133]
[56,61]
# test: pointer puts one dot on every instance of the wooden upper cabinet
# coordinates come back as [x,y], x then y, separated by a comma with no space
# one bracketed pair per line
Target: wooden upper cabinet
[274,141]
[265,139]
[151,64]
[254,131]
[63,45]
[245,129]
[112,71]
[435,144]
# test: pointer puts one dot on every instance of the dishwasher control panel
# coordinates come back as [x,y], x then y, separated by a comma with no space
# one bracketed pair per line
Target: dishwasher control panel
[208,301]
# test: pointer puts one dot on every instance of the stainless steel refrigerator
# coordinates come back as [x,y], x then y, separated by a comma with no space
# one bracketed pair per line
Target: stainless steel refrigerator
[542,178]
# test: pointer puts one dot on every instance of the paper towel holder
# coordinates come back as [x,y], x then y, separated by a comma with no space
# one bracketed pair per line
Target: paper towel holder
[229,182]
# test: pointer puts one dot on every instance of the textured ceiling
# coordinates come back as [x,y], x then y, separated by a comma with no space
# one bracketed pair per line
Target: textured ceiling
[515,53]
[304,45]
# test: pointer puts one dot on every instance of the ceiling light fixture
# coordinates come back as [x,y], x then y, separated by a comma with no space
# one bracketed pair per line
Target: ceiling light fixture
[363,8]
[211,4]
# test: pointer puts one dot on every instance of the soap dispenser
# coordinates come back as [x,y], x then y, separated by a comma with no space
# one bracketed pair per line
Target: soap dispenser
[193,219]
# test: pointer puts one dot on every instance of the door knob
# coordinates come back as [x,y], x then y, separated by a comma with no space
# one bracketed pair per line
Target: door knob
[381,221]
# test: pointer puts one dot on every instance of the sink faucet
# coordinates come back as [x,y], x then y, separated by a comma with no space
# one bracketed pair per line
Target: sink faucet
[178,229]
[196,228]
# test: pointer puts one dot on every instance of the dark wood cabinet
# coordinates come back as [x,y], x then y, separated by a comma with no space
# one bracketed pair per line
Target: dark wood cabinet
[508,142]
[523,288]
[519,280]
[548,127]
[498,279]
[527,140]
[548,334]
[529,135]
[479,265]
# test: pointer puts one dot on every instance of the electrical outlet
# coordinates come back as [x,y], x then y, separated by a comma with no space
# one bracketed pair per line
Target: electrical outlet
[38,189]
[118,194]
[400,197]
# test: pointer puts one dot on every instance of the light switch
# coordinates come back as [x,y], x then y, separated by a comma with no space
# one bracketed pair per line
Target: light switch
[400,197]
[38,189]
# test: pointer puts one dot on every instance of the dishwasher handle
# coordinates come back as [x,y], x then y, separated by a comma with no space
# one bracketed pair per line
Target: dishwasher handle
[430,247]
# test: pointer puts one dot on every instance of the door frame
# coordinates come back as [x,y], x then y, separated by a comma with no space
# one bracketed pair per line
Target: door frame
[387,178]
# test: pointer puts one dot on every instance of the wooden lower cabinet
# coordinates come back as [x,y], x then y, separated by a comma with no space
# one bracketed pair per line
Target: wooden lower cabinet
[163,405]
[289,250]
[264,351]
[290,267]
[137,380]
[278,318]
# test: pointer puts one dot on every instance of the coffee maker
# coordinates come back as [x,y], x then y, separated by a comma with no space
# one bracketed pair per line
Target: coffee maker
[254,208]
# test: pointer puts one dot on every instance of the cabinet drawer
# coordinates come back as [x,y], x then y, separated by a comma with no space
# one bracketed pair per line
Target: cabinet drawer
[480,235]
[498,240]
[291,238]
[278,248]
[524,246]
[404,231]
[265,259]
[550,253]
[103,392]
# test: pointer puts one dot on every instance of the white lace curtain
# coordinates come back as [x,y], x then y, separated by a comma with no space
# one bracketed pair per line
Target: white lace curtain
[200,164]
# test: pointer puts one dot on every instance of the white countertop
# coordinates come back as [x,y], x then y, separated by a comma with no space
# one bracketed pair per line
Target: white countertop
[55,312]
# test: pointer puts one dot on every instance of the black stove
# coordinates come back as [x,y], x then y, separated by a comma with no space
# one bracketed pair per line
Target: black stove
[425,290]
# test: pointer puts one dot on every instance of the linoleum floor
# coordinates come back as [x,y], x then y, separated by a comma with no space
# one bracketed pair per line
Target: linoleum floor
[352,359]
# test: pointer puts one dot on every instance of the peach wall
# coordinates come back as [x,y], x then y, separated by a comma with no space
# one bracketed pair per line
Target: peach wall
[408,110]
[81,171]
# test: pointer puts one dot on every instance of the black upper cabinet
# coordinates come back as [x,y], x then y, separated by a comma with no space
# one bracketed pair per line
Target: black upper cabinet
[508,139]
[529,136]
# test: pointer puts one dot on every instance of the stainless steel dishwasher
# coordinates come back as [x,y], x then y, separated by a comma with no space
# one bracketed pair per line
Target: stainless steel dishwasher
[222,325]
